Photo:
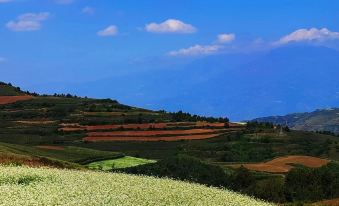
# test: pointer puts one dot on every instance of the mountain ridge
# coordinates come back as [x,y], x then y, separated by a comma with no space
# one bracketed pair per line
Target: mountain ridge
[321,120]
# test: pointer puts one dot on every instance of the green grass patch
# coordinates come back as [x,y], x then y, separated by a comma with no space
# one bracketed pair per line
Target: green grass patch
[119,163]
[78,155]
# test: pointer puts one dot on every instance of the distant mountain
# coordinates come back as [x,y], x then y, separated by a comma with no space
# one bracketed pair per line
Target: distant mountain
[294,78]
[319,120]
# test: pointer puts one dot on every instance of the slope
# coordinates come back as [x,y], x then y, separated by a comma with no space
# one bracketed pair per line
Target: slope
[62,187]
[318,120]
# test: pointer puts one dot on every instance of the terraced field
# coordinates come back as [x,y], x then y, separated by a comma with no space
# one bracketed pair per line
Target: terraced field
[155,135]
[152,131]
[13,99]
[285,164]
[150,138]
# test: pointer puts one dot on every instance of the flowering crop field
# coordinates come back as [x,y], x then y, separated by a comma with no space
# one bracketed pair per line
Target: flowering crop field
[43,186]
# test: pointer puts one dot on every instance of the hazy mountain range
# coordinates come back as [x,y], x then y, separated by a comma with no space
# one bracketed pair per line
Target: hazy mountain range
[294,78]
[318,120]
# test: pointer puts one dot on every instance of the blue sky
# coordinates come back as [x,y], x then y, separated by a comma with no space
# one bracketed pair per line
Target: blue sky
[63,41]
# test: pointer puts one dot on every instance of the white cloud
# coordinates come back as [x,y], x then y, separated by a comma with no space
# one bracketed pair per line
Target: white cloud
[109,31]
[312,34]
[64,1]
[28,22]
[170,26]
[226,38]
[196,50]
[88,10]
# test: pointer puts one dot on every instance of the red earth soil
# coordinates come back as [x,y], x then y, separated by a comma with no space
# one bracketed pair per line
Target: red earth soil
[333,202]
[13,99]
[281,164]
[151,133]
[6,158]
[151,139]
[50,147]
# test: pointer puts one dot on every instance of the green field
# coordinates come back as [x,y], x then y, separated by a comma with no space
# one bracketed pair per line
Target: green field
[72,154]
[119,163]
[32,186]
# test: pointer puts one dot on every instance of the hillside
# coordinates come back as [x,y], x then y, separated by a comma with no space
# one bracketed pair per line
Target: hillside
[66,187]
[9,90]
[318,120]
[61,126]
[67,131]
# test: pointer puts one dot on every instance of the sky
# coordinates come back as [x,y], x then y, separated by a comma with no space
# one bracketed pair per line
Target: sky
[57,42]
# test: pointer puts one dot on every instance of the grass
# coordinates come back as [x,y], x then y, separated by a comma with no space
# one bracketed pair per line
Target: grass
[119,163]
[6,90]
[42,186]
[69,153]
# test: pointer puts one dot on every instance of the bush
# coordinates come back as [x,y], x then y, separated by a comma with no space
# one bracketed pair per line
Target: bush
[271,189]
[241,179]
[305,184]
[183,167]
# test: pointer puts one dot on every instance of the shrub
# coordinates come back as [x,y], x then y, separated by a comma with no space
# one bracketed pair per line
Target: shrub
[183,167]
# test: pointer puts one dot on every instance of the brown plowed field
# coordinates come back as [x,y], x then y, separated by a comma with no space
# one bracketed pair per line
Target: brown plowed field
[8,158]
[50,147]
[13,99]
[150,133]
[333,202]
[281,164]
[151,139]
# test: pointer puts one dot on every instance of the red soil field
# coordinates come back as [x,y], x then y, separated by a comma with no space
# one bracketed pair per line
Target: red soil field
[50,147]
[151,139]
[281,164]
[13,99]
[333,202]
[7,158]
[151,133]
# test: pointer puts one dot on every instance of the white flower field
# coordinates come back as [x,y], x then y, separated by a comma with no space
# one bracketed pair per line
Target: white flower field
[43,186]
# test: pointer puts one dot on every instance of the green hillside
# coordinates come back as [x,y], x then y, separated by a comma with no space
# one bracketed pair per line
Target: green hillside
[9,90]
[66,131]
